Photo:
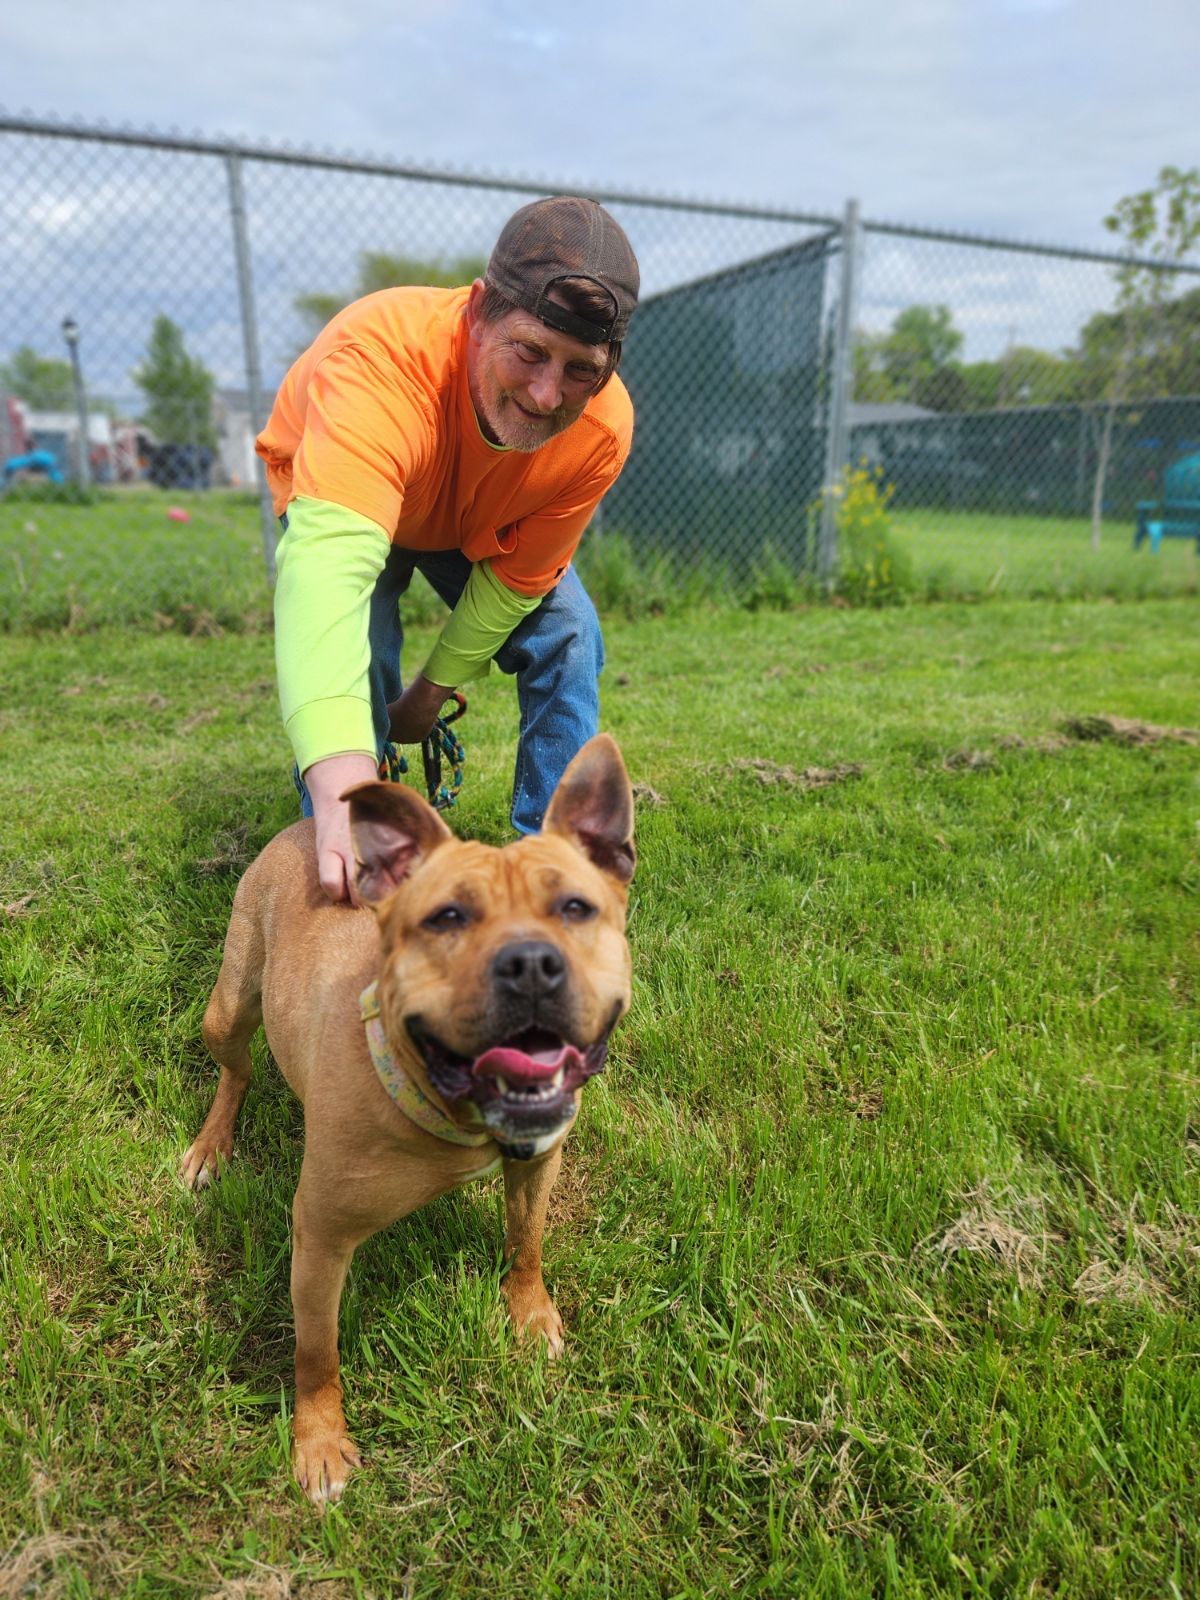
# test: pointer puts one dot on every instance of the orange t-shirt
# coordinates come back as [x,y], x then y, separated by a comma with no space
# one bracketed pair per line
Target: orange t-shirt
[376,416]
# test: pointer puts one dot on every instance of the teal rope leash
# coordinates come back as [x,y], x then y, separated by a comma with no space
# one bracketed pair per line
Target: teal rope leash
[393,767]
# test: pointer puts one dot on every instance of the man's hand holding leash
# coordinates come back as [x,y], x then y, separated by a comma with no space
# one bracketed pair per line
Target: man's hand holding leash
[414,714]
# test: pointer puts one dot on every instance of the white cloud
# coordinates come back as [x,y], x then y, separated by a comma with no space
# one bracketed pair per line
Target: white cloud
[1019,117]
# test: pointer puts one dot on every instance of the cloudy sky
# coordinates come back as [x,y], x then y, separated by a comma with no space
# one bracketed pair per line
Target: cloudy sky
[1025,117]
[1021,118]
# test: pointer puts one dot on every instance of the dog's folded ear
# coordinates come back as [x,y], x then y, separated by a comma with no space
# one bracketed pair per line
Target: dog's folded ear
[391,829]
[593,808]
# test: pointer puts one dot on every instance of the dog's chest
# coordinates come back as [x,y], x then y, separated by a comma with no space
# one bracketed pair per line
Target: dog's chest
[487,1171]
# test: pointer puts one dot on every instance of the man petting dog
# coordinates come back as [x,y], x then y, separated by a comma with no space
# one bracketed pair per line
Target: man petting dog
[468,434]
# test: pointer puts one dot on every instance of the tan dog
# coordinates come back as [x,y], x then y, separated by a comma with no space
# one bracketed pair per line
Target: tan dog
[500,974]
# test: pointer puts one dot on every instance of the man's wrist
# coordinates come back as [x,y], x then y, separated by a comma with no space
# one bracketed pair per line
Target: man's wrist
[327,780]
[429,694]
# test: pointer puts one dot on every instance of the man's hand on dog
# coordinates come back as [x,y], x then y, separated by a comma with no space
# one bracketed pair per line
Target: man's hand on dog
[413,716]
[326,782]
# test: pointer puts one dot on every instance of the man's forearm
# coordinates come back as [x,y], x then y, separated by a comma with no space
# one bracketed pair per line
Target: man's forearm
[413,715]
[481,622]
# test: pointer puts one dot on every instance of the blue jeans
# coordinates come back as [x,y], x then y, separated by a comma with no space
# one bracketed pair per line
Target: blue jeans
[556,655]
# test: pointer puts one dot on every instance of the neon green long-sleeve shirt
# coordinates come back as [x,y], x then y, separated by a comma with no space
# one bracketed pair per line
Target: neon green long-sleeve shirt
[328,563]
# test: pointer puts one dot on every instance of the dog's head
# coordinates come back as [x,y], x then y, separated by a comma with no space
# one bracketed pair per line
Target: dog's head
[504,970]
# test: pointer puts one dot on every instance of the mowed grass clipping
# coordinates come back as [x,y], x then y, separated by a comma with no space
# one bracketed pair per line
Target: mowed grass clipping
[877,1243]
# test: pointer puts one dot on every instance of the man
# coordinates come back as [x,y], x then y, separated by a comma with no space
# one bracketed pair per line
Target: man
[468,434]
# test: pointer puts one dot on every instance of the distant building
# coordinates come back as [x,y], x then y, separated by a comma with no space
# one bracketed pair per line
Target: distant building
[57,432]
[14,435]
[866,420]
[236,461]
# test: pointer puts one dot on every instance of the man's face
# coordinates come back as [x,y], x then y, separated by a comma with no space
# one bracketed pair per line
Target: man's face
[528,382]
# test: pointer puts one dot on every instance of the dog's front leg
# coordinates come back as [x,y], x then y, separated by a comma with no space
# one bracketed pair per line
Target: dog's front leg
[527,1186]
[323,1453]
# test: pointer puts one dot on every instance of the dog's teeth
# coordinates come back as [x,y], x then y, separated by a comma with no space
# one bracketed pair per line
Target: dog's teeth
[502,1084]
[557,1081]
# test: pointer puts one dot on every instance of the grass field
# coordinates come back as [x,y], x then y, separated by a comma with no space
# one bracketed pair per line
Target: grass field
[958,553]
[878,1243]
[121,561]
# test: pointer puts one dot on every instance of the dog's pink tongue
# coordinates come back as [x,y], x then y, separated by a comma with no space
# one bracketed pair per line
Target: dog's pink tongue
[515,1067]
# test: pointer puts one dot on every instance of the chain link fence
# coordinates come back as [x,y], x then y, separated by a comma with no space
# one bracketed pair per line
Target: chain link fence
[822,401]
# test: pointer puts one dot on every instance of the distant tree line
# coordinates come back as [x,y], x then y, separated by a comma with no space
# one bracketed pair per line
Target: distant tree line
[379,270]
[1155,345]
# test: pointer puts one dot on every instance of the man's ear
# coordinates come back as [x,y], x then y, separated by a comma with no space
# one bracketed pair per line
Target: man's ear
[593,808]
[391,828]
[473,302]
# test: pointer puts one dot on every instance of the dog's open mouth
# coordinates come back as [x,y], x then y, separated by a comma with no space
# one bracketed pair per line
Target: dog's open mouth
[524,1086]
[534,1064]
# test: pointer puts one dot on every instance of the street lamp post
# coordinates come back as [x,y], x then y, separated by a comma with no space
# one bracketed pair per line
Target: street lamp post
[70,332]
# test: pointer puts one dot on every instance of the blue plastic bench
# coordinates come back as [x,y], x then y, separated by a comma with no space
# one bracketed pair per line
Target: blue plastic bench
[1177,514]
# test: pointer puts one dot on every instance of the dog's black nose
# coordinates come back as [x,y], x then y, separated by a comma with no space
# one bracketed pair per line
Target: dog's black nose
[529,968]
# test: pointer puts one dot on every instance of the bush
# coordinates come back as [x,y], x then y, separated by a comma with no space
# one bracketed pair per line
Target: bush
[30,491]
[623,580]
[775,585]
[872,569]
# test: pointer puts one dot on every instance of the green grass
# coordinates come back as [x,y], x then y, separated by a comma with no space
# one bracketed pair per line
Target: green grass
[878,1242]
[956,553]
[123,561]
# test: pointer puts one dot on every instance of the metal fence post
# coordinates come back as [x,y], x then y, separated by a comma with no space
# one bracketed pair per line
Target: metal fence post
[245,283]
[841,392]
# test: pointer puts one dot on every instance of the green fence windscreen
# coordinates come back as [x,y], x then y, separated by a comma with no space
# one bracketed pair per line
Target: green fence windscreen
[726,379]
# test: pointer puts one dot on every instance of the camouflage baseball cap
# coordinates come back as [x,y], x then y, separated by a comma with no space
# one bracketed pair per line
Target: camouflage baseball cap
[566,236]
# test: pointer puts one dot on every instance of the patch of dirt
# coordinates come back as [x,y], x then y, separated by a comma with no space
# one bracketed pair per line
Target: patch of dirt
[1076,730]
[868,1106]
[197,720]
[1048,745]
[1127,730]
[772,772]
[968,761]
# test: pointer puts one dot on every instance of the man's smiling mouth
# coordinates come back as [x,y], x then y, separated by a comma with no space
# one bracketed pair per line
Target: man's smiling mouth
[534,416]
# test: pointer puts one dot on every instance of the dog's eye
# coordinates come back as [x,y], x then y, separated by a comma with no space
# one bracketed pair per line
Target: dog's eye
[447,919]
[576,909]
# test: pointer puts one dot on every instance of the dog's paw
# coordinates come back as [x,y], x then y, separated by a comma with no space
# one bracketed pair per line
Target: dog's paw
[202,1162]
[322,1463]
[533,1313]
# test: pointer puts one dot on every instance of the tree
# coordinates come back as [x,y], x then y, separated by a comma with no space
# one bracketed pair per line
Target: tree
[1132,353]
[913,361]
[42,382]
[178,390]
[1165,353]
[1022,376]
[941,389]
[871,382]
[923,342]
[378,270]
